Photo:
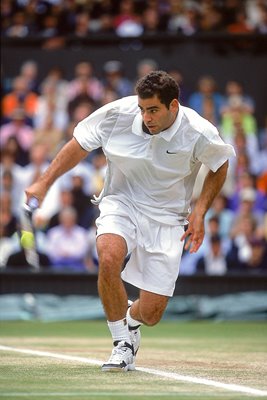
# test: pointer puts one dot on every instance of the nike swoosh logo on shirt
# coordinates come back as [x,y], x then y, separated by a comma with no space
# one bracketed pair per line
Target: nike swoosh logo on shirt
[170,152]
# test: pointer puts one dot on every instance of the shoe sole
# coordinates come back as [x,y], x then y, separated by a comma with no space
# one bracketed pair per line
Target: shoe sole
[129,367]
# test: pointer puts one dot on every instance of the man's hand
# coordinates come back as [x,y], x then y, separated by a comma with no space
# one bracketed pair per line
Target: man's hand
[37,190]
[194,234]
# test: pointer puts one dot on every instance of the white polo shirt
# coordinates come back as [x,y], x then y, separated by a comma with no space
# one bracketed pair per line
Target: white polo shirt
[156,173]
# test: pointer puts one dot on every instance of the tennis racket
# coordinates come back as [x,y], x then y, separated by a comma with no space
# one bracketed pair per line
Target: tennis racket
[28,233]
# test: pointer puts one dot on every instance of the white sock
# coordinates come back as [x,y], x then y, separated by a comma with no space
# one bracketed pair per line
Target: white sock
[119,330]
[133,323]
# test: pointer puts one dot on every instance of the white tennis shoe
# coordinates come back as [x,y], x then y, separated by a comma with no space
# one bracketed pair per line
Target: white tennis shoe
[121,359]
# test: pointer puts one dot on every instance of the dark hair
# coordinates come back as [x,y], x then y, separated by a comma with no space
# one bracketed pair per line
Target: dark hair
[216,238]
[160,84]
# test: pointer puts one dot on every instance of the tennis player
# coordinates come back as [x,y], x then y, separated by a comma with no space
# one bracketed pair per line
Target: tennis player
[154,148]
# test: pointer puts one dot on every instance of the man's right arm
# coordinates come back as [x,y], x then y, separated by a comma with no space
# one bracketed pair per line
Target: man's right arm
[69,156]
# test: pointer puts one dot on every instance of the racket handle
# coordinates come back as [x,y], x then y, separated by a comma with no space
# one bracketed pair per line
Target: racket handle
[32,204]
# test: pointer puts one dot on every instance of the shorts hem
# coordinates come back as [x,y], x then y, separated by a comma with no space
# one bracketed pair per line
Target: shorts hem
[149,288]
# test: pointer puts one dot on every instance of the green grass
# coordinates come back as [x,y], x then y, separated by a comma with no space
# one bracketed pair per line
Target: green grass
[228,352]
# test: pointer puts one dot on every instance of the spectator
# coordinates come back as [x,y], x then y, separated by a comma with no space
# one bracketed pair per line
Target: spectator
[242,233]
[19,129]
[77,112]
[214,262]
[127,22]
[105,24]
[19,27]
[213,229]
[255,11]
[211,19]
[29,70]
[81,99]
[207,101]
[261,26]
[225,215]
[50,28]
[82,25]
[145,66]
[53,20]
[56,75]
[67,243]
[86,211]
[246,144]
[183,17]
[257,259]
[49,136]
[109,95]
[245,186]
[38,163]
[240,24]
[189,262]
[19,98]
[65,201]
[237,115]
[50,107]
[84,75]
[261,185]
[7,11]
[234,90]
[115,80]
[247,198]
[150,21]
[184,92]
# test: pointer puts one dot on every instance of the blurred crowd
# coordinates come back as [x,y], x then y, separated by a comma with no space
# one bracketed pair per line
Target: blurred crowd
[38,118]
[56,20]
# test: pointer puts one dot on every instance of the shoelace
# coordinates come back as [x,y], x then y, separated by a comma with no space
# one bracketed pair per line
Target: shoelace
[118,351]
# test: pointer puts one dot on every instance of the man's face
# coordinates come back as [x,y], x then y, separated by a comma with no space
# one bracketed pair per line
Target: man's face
[156,116]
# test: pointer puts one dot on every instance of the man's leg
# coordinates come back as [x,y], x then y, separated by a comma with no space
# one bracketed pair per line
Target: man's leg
[112,251]
[149,308]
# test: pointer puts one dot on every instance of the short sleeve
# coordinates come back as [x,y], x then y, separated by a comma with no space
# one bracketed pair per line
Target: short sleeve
[211,150]
[90,132]
[87,133]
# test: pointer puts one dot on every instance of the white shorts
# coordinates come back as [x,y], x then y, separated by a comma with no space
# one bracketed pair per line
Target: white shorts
[155,249]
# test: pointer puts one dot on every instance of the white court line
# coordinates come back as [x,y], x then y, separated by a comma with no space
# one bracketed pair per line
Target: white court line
[106,394]
[162,374]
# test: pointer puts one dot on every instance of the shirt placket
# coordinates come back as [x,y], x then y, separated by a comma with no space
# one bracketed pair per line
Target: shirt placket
[150,148]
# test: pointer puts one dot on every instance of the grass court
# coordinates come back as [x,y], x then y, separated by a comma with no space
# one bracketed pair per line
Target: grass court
[177,360]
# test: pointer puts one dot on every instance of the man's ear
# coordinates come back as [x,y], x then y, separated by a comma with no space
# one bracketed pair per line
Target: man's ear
[174,105]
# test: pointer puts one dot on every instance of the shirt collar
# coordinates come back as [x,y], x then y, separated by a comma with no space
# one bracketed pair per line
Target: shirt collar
[167,134]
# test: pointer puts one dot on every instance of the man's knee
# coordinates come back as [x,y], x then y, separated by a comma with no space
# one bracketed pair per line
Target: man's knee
[151,316]
[150,307]
[111,253]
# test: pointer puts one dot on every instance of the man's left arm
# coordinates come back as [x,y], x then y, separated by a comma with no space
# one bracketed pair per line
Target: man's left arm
[211,187]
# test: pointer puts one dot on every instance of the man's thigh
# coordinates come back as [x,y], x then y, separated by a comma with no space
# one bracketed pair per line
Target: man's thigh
[116,219]
[112,251]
